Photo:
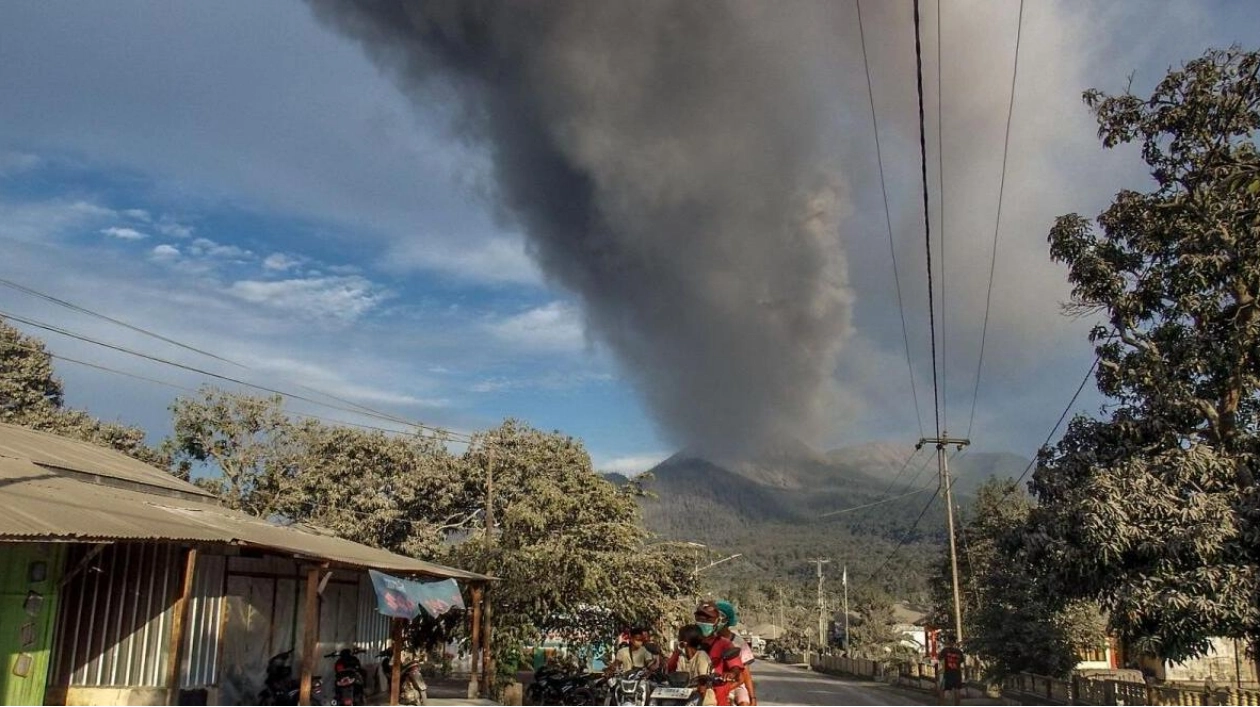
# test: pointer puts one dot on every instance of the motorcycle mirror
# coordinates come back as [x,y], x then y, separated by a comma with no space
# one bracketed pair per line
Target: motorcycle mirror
[652,648]
[730,653]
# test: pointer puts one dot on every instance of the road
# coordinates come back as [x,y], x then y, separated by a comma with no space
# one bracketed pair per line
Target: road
[787,685]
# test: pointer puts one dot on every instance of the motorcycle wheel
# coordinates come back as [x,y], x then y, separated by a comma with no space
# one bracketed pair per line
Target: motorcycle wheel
[579,696]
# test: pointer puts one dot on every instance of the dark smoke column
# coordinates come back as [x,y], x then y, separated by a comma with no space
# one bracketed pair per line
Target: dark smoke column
[667,162]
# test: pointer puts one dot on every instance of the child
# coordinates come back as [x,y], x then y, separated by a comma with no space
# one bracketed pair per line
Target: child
[704,687]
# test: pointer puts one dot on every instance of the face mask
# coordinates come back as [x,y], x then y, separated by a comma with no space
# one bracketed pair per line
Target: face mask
[707,629]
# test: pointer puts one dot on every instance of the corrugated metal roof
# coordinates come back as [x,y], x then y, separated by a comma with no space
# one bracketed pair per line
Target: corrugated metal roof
[63,453]
[40,503]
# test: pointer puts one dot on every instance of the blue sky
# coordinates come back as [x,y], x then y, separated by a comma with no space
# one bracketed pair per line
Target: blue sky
[237,176]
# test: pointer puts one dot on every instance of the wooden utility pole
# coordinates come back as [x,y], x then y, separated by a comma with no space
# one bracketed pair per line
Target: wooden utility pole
[179,622]
[474,680]
[942,461]
[822,606]
[395,664]
[310,634]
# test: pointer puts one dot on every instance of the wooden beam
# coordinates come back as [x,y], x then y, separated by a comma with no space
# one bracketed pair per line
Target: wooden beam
[474,679]
[310,634]
[487,644]
[178,622]
[395,672]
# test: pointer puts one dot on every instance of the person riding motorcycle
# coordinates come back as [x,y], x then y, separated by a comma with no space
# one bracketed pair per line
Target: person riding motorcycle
[635,653]
[721,651]
[744,692]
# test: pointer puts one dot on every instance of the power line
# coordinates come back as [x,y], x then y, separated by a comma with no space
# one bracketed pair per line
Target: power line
[906,536]
[892,250]
[876,503]
[1062,417]
[152,334]
[905,465]
[940,178]
[927,221]
[997,224]
[177,386]
[230,379]
[83,310]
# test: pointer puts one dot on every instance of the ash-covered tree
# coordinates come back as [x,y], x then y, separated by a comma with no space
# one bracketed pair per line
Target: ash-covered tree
[1013,620]
[31,395]
[1154,509]
[568,545]
[248,448]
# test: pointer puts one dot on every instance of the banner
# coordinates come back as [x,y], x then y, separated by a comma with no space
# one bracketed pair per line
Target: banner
[405,598]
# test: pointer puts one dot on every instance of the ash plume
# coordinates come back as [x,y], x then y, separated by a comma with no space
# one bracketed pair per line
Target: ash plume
[668,162]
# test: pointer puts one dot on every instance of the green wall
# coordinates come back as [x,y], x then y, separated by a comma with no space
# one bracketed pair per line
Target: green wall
[16,560]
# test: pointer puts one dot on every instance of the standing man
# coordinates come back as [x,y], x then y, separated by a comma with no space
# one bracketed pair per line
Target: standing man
[951,662]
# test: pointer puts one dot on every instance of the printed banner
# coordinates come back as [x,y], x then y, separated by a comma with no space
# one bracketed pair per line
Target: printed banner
[405,598]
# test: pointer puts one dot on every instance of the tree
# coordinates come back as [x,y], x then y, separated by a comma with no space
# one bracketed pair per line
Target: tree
[248,444]
[1012,619]
[32,396]
[1154,509]
[568,545]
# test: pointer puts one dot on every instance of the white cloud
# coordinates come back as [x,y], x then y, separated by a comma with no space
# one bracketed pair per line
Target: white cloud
[41,221]
[208,248]
[138,214]
[126,234]
[632,465]
[174,229]
[280,262]
[345,298]
[555,326]
[165,252]
[495,260]
[554,380]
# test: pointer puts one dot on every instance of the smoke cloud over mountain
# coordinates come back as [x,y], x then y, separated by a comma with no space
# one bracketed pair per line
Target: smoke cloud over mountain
[668,164]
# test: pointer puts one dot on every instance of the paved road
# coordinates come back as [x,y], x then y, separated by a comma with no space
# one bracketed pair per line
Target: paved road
[787,685]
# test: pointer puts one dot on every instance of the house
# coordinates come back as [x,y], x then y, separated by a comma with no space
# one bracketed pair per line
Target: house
[121,584]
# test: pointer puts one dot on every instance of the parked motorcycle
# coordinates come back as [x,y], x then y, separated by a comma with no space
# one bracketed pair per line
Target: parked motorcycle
[350,683]
[281,688]
[412,689]
[630,688]
[557,686]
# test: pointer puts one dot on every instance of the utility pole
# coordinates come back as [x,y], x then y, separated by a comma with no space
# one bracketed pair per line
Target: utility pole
[489,489]
[942,462]
[844,580]
[822,607]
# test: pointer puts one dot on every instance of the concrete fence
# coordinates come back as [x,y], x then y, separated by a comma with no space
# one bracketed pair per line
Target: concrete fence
[1080,690]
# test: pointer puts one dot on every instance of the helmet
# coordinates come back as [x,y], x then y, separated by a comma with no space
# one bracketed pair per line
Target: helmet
[709,618]
[728,612]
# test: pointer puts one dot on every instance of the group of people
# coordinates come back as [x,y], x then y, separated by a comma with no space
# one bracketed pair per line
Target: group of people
[708,651]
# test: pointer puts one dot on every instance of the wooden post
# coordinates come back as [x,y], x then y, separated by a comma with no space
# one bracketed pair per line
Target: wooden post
[487,645]
[178,621]
[395,672]
[310,634]
[474,679]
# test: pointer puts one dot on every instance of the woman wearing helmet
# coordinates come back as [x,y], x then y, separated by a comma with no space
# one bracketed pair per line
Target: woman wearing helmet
[743,693]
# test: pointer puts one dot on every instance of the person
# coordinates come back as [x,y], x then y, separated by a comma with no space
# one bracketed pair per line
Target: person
[690,658]
[744,693]
[722,653]
[634,654]
[951,662]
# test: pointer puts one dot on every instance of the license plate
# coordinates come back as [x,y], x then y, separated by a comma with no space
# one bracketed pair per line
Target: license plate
[672,692]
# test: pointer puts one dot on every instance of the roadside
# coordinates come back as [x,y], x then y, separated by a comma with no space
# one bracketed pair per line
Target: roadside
[780,684]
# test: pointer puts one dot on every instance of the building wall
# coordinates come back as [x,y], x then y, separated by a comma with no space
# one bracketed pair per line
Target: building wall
[26,639]
[1226,663]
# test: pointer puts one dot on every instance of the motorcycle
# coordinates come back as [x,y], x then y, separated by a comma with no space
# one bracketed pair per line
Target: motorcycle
[629,688]
[281,688]
[350,683]
[412,689]
[556,686]
[682,689]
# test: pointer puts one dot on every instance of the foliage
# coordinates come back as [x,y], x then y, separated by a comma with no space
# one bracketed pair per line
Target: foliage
[1012,620]
[873,625]
[569,546]
[251,448]
[1155,510]
[32,396]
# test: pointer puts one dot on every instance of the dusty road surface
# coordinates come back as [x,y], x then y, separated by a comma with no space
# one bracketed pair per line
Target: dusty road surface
[787,685]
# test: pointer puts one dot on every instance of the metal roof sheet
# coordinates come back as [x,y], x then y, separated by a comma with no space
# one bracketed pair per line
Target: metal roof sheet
[64,453]
[41,503]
